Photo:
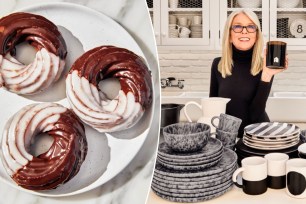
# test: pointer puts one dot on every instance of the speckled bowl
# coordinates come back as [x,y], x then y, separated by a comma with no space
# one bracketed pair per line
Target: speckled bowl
[186,137]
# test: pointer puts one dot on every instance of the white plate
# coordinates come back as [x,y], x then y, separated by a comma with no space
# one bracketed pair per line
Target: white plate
[271,129]
[271,140]
[267,147]
[298,28]
[107,154]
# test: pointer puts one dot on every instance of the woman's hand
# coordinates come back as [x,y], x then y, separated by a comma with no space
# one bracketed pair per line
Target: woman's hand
[268,73]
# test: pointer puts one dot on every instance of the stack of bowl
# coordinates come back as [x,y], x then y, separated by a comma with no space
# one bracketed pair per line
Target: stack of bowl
[173,31]
[191,166]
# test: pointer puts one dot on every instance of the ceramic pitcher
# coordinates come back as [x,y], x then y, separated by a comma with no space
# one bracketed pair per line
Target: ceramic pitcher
[210,107]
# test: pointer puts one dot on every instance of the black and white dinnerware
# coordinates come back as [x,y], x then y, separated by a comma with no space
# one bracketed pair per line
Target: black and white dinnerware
[302,151]
[244,151]
[184,185]
[303,136]
[271,136]
[277,170]
[227,123]
[228,139]
[271,130]
[254,175]
[296,178]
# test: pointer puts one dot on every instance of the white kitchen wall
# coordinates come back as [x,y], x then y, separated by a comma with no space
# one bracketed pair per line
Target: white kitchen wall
[194,67]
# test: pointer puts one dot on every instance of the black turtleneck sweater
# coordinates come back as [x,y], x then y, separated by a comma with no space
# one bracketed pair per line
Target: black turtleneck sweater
[248,93]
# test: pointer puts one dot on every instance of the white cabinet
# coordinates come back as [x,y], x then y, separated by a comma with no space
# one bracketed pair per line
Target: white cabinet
[181,23]
[283,20]
[288,22]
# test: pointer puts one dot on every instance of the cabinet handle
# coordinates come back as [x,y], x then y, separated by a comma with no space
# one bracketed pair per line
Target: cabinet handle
[164,34]
[156,34]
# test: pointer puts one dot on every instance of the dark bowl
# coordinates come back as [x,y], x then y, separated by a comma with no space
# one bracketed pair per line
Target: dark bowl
[186,137]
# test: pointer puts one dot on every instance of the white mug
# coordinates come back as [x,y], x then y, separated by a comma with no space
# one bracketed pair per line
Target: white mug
[296,178]
[173,3]
[254,175]
[183,21]
[277,170]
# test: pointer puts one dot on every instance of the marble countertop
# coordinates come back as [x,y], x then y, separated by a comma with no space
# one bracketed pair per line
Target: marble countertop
[133,183]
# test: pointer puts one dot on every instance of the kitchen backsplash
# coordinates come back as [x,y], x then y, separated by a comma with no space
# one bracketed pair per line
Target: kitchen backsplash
[194,67]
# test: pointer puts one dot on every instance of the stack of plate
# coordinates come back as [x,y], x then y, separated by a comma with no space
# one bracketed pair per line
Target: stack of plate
[262,138]
[271,136]
[194,177]
[196,31]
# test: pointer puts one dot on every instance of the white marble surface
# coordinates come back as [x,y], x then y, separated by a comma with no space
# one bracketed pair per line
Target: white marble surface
[133,183]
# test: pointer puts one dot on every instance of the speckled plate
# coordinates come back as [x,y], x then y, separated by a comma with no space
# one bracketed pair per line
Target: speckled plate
[213,177]
[187,162]
[190,167]
[194,184]
[228,160]
[212,147]
[196,197]
[191,192]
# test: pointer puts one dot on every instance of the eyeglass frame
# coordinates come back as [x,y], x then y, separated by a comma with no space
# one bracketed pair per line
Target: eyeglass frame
[244,27]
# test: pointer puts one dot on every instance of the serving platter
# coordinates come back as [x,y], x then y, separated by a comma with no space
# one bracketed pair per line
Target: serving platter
[108,154]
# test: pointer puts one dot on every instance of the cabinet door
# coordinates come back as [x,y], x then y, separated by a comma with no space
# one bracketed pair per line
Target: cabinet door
[154,9]
[185,22]
[288,22]
[260,7]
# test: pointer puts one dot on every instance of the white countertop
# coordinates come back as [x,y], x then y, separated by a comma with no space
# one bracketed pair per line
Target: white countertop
[236,196]
[132,184]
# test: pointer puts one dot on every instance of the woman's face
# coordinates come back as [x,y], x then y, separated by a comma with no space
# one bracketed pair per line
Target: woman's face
[243,40]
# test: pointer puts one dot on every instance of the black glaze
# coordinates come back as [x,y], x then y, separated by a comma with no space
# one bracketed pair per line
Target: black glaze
[296,183]
[277,182]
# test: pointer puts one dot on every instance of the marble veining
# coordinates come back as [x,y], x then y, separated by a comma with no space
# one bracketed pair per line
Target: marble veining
[133,183]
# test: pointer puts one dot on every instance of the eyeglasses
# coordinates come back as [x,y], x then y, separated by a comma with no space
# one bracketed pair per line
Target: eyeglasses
[249,28]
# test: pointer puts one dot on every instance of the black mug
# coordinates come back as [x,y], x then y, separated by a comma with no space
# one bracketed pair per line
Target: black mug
[276,55]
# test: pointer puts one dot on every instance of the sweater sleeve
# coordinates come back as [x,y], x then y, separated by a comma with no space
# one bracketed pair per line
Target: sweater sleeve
[258,105]
[213,78]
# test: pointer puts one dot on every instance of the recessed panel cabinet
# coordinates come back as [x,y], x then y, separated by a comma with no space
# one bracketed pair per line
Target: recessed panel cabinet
[199,24]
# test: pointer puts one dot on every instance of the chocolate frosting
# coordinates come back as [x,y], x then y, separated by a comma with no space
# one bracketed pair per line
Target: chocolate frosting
[37,30]
[62,161]
[113,62]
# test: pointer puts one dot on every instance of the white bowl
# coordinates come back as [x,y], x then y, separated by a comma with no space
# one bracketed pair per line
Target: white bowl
[249,4]
[287,4]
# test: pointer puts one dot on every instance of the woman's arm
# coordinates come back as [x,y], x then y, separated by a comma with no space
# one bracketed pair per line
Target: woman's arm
[213,78]
[258,105]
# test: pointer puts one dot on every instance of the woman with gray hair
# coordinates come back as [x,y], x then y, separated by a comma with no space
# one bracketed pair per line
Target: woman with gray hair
[241,73]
